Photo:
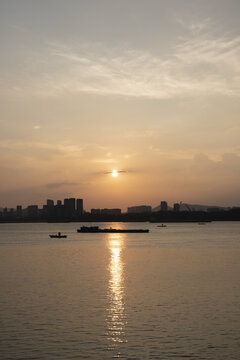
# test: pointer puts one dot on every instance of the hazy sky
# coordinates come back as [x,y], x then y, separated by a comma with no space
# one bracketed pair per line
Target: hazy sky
[147,86]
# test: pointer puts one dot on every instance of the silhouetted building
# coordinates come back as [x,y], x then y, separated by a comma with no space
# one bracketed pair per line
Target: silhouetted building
[32,211]
[111,212]
[50,202]
[45,211]
[69,205]
[164,206]
[79,206]
[139,209]
[176,207]
[11,213]
[59,212]
[59,202]
[72,206]
[95,211]
[19,211]
[66,207]
[214,209]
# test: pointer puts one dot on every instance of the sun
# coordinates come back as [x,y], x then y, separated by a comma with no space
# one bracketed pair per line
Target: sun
[114,173]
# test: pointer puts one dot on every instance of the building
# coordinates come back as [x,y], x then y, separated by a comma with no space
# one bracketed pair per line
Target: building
[176,207]
[114,212]
[19,211]
[50,202]
[59,211]
[72,206]
[214,209]
[32,211]
[69,205]
[139,209]
[79,207]
[48,210]
[59,202]
[164,206]
[95,211]
[11,212]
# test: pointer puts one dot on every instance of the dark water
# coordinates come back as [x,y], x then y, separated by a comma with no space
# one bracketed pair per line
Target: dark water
[171,294]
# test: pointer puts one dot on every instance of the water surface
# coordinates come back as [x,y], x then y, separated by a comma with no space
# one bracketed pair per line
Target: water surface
[170,294]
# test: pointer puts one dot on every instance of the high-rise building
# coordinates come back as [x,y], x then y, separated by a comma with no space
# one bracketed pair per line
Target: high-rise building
[79,206]
[59,211]
[11,212]
[59,202]
[69,205]
[50,202]
[48,210]
[66,207]
[19,211]
[72,205]
[164,206]
[32,211]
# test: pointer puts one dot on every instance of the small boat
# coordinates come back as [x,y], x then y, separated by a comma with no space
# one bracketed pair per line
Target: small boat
[97,229]
[58,236]
[162,225]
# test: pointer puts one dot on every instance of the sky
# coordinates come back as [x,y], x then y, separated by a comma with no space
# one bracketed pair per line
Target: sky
[150,87]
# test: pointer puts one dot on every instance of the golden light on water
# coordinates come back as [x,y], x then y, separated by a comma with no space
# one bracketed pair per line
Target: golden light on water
[116,291]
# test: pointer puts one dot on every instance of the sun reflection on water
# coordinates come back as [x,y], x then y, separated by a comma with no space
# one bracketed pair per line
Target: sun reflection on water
[116,313]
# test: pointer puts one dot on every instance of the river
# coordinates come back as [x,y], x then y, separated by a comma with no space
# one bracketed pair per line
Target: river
[172,293]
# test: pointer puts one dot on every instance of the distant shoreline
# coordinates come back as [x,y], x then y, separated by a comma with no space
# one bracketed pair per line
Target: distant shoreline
[160,217]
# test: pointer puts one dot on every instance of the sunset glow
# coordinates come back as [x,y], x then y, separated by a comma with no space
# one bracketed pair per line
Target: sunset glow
[149,87]
[119,139]
[114,173]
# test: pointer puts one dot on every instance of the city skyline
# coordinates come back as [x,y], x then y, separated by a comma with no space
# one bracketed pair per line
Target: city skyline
[73,210]
[76,204]
[146,88]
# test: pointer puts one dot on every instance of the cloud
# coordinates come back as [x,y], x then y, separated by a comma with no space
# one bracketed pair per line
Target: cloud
[59,184]
[142,134]
[38,146]
[200,64]
[103,161]
[195,27]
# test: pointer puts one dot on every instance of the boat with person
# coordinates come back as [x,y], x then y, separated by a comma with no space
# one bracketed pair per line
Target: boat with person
[58,236]
[97,229]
